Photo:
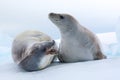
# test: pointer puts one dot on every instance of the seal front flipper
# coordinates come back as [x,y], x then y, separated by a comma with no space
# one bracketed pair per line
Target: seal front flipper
[100,55]
[60,58]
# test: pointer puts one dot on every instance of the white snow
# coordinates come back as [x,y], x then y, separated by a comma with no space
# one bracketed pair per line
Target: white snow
[106,69]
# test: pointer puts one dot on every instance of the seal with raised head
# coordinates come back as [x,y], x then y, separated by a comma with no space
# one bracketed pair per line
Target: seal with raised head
[77,42]
[33,50]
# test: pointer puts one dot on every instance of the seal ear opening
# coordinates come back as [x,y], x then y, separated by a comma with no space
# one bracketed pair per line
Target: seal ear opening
[61,17]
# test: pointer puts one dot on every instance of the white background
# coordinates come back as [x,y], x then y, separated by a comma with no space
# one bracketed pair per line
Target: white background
[19,15]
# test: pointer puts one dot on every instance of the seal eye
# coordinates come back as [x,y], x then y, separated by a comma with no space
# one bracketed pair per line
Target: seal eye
[61,17]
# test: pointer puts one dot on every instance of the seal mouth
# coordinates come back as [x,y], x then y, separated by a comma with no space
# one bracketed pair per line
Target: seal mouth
[52,49]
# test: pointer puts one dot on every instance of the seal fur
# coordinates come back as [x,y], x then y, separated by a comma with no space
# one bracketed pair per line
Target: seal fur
[77,42]
[33,50]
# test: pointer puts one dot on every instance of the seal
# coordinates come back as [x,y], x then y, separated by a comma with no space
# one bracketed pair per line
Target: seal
[33,50]
[77,42]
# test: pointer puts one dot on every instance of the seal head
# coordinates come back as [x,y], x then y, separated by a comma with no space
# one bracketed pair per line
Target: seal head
[41,55]
[64,22]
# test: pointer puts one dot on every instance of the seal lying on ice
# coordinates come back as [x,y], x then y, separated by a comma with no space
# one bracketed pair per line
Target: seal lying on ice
[33,50]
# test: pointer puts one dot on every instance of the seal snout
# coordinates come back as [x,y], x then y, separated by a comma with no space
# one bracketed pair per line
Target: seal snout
[51,14]
[51,49]
[50,43]
[54,17]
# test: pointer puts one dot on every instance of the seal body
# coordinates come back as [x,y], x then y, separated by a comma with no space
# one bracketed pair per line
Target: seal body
[77,42]
[33,50]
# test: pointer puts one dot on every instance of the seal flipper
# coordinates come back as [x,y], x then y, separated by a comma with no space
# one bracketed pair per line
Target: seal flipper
[99,55]
[60,58]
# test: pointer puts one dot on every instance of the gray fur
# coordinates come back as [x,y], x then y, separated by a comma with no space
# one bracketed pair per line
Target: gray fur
[30,47]
[77,42]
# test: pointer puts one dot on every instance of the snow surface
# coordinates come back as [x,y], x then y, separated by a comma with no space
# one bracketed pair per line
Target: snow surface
[106,69]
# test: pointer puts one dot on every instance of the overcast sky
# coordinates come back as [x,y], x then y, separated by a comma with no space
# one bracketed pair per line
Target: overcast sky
[19,15]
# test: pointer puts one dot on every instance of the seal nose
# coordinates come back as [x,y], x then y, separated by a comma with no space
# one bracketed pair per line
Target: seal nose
[49,44]
[51,14]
